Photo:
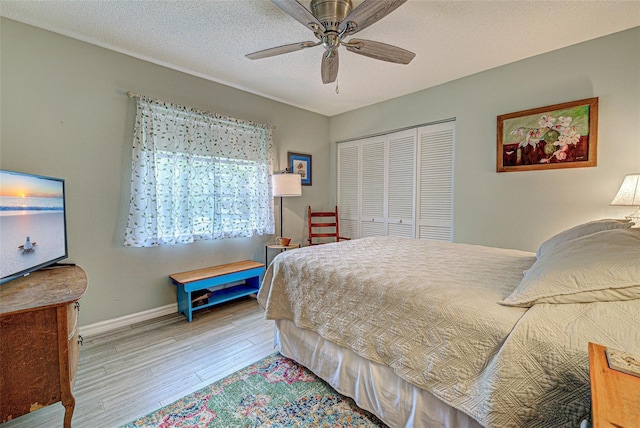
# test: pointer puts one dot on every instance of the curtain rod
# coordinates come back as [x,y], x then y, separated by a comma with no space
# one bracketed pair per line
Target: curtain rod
[131,94]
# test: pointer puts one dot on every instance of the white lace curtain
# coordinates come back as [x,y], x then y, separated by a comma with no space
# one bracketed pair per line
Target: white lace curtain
[197,175]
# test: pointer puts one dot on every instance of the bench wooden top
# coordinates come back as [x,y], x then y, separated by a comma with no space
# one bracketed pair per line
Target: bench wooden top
[212,272]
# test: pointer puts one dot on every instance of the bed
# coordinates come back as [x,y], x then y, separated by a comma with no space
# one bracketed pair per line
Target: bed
[427,333]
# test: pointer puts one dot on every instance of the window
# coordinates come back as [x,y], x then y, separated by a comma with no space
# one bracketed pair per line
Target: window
[197,175]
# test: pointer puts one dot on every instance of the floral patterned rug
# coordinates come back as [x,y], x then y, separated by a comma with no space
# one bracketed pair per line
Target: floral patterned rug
[274,392]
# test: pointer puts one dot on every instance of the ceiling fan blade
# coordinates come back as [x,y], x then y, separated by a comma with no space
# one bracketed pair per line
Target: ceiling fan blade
[298,12]
[279,50]
[329,69]
[368,12]
[381,51]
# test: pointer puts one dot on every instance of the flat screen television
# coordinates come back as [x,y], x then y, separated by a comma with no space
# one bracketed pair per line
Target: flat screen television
[33,227]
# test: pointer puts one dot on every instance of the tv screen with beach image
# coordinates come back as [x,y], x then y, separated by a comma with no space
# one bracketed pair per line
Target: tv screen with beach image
[32,222]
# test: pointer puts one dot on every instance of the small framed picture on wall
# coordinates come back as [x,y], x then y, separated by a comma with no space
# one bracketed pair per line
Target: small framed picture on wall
[300,163]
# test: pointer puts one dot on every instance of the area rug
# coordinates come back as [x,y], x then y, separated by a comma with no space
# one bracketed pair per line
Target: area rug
[274,392]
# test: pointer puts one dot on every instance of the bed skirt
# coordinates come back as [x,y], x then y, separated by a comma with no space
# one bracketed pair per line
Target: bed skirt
[374,387]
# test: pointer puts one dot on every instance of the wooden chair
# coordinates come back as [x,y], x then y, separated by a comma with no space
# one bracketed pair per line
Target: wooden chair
[323,225]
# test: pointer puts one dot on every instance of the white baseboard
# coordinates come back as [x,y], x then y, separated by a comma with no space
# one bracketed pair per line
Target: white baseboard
[108,325]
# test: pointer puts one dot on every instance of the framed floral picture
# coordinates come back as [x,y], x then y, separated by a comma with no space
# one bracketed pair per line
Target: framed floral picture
[300,164]
[557,136]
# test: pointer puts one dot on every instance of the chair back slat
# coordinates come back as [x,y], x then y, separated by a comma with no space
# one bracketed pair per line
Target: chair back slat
[322,223]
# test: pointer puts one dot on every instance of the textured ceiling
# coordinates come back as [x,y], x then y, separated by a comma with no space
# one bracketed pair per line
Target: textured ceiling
[451,39]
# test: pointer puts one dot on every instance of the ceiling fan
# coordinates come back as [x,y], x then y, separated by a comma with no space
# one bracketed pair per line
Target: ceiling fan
[334,20]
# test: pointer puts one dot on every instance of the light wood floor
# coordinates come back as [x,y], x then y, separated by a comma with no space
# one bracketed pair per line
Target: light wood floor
[127,373]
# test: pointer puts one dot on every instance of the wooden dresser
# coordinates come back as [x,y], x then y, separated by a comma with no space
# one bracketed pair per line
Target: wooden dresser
[39,349]
[615,396]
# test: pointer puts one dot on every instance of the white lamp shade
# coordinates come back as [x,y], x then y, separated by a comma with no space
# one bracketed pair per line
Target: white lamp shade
[629,193]
[287,184]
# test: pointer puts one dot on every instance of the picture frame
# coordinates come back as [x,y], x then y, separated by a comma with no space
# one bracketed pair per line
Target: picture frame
[300,163]
[557,136]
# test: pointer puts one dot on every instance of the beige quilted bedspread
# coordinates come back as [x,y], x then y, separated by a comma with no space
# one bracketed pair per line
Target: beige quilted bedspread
[429,310]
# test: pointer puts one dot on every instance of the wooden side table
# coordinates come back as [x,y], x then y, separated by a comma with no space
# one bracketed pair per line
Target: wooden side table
[277,247]
[615,396]
[40,344]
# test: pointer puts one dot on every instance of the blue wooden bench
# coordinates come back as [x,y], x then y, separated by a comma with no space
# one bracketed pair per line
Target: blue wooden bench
[216,280]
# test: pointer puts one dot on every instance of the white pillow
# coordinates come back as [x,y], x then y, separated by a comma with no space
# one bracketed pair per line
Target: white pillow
[600,267]
[582,230]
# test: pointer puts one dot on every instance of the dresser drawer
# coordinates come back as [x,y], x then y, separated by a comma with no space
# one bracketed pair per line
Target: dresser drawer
[73,311]
[74,357]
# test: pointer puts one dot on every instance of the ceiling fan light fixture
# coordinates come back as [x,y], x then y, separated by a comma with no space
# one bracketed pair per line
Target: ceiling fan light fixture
[331,42]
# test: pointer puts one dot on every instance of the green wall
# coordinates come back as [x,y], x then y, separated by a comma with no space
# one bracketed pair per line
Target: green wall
[65,113]
[521,209]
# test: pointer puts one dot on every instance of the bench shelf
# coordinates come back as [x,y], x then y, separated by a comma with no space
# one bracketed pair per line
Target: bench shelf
[217,279]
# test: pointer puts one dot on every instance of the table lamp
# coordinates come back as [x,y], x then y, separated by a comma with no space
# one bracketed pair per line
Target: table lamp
[284,185]
[629,195]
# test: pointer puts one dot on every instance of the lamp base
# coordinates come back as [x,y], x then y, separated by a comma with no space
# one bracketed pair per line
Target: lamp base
[634,217]
[280,215]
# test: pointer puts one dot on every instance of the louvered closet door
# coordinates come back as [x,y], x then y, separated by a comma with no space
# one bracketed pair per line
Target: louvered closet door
[372,193]
[435,181]
[349,188]
[401,153]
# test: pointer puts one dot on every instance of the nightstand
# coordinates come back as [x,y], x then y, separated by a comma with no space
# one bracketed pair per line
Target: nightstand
[40,346]
[277,247]
[615,396]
